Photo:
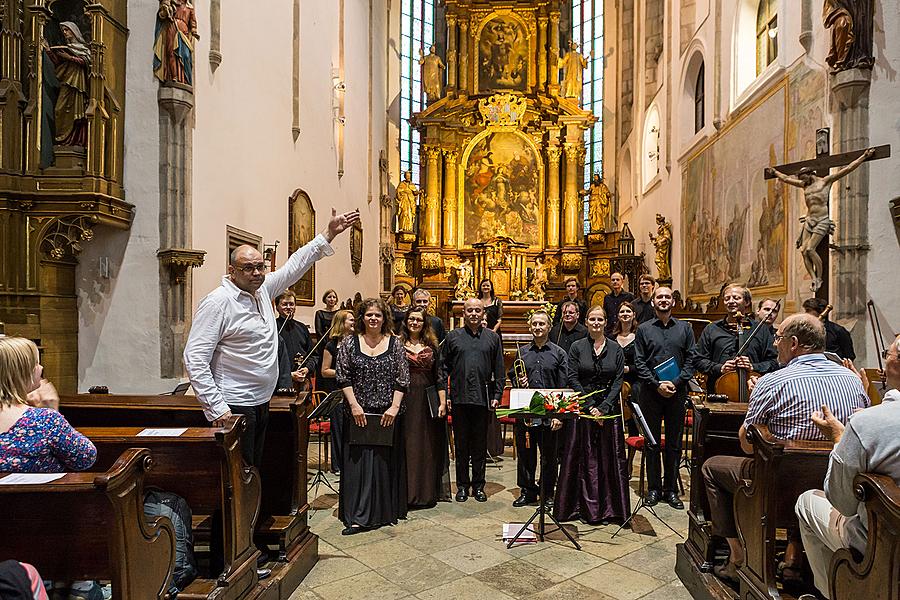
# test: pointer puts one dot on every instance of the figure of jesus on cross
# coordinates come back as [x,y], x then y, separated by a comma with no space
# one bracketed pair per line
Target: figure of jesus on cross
[817,223]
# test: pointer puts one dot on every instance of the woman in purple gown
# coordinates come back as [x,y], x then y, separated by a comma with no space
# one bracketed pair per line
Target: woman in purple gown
[593,478]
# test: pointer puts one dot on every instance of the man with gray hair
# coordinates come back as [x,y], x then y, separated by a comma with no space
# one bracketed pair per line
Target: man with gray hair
[422,301]
[783,400]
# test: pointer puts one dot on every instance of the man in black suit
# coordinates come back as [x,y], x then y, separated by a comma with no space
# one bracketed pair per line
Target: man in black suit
[293,341]
[422,301]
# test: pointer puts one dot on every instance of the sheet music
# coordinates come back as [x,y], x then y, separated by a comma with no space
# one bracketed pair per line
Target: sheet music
[162,432]
[30,478]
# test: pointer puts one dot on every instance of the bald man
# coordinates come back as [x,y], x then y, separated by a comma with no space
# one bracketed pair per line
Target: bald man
[231,354]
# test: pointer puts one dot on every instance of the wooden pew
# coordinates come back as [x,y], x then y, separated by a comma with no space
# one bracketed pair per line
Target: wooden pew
[203,465]
[782,470]
[91,526]
[876,575]
[284,505]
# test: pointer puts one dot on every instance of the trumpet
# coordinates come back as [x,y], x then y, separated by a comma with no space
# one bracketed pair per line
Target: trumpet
[824,314]
[519,366]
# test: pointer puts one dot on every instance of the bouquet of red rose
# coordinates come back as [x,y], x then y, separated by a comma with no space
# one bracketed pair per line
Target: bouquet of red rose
[549,403]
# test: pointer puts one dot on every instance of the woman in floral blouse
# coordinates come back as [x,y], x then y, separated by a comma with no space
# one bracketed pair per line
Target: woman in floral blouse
[34,440]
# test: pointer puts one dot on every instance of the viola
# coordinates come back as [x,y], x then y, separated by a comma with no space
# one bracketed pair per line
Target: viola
[735,384]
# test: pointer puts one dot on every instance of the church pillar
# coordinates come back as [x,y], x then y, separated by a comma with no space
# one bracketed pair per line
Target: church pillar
[553,196]
[553,58]
[432,197]
[464,55]
[851,242]
[570,201]
[542,51]
[450,199]
[451,52]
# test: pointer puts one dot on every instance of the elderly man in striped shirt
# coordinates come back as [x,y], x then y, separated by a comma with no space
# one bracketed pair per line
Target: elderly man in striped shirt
[784,401]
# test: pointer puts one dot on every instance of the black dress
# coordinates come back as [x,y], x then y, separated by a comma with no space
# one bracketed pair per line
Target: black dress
[373,480]
[328,385]
[494,312]
[398,313]
[631,379]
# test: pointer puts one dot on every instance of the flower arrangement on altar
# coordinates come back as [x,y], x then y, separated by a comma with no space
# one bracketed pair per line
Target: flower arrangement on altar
[547,307]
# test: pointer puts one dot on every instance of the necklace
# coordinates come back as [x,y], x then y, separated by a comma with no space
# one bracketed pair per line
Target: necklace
[369,342]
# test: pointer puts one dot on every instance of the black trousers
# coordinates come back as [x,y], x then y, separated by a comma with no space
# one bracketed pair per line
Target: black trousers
[657,410]
[253,440]
[470,443]
[538,437]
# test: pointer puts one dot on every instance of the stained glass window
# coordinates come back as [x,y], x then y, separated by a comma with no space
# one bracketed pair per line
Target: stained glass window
[416,33]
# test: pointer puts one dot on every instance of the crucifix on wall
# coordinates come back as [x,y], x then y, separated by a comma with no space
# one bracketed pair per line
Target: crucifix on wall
[815,178]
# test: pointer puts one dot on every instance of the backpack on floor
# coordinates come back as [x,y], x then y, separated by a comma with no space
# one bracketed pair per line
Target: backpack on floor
[158,503]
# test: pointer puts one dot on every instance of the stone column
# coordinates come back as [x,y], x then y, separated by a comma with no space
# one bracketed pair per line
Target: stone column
[432,197]
[542,52]
[570,200]
[450,199]
[464,55]
[451,52]
[552,212]
[553,57]
[851,240]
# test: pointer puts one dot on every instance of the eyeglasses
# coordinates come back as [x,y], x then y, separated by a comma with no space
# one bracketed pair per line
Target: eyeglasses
[778,337]
[886,354]
[249,269]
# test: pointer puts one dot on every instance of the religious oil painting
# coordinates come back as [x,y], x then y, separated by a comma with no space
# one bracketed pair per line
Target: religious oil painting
[502,55]
[301,228]
[734,223]
[502,191]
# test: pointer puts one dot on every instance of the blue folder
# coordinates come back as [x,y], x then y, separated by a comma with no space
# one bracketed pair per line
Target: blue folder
[668,370]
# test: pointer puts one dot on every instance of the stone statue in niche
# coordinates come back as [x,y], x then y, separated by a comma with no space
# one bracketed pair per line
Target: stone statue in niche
[662,241]
[572,65]
[817,223]
[432,74]
[599,204]
[71,62]
[173,49]
[407,194]
[465,279]
[851,24]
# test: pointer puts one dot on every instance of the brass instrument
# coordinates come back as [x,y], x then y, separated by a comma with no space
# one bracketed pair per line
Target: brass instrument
[824,313]
[519,366]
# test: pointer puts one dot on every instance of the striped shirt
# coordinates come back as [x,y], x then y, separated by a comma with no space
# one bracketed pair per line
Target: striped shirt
[784,400]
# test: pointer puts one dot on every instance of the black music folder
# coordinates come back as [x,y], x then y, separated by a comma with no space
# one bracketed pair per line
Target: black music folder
[373,434]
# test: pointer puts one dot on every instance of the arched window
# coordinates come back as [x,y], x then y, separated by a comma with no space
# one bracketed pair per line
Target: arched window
[587,32]
[650,157]
[416,33]
[700,99]
[766,34]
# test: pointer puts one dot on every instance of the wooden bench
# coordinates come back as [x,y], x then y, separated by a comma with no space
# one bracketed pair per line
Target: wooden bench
[203,465]
[876,574]
[92,526]
[782,470]
[284,505]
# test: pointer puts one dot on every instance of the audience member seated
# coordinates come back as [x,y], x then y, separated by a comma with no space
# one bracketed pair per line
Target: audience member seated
[835,519]
[20,581]
[784,401]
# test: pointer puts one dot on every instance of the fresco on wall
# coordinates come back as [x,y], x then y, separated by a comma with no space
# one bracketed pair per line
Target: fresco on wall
[734,222]
[502,55]
[502,192]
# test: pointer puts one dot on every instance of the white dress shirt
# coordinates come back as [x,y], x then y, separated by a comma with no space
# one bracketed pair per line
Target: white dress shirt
[231,354]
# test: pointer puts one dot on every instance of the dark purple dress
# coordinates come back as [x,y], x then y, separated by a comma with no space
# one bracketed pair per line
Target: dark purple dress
[593,475]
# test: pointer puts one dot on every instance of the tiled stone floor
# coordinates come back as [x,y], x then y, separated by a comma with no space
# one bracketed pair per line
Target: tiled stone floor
[453,551]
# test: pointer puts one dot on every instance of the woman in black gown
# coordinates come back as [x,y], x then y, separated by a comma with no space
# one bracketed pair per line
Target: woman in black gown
[623,334]
[593,483]
[344,324]
[427,456]
[493,306]
[399,305]
[373,373]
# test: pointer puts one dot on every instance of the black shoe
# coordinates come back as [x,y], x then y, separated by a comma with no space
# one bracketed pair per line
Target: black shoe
[525,500]
[480,495]
[462,495]
[652,498]
[674,501]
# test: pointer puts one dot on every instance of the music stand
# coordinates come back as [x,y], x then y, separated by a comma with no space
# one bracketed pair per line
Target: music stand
[321,412]
[650,443]
[541,513]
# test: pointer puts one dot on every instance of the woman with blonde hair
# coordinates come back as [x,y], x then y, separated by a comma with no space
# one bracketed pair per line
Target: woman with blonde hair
[343,325]
[34,440]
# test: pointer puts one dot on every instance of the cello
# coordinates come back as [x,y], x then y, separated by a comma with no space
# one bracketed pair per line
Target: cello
[735,384]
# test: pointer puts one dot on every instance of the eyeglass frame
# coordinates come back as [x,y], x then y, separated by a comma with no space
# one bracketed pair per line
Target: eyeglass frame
[249,269]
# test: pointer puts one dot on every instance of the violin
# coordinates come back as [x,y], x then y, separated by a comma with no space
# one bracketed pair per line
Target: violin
[735,385]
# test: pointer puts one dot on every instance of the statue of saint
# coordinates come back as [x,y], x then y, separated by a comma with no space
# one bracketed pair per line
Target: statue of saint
[71,63]
[599,204]
[572,65]
[173,48]
[816,222]
[407,193]
[539,279]
[662,241]
[465,278]
[432,74]
[852,24]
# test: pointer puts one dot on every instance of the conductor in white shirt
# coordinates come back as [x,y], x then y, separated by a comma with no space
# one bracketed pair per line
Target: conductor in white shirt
[231,354]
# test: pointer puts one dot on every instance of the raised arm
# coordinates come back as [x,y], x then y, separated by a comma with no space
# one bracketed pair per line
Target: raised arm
[851,167]
[788,180]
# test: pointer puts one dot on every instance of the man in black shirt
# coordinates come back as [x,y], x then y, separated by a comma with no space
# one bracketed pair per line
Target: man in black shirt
[613,300]
[473,356]
[571,296]
[719,343]
[767,310]
[293,340]
[569,330]
[837,338]
[422,300]
[643,303]
[655,342]
[545,368]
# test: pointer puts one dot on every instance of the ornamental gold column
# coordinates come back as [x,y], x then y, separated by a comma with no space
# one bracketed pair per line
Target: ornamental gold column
[553,153]
[464,55]
[542,52]
[451,52]
[450,200]
[553,58]
[432,197]
[570,201]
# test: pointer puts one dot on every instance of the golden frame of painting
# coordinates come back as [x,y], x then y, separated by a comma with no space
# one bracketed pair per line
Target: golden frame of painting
[503,53]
